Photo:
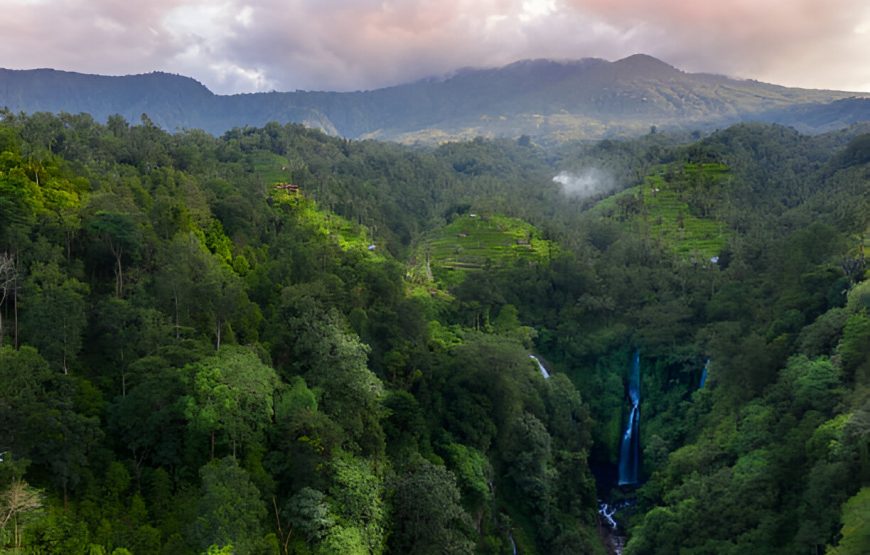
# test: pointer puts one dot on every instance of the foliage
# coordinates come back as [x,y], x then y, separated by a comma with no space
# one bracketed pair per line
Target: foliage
[194,360]
[229,511]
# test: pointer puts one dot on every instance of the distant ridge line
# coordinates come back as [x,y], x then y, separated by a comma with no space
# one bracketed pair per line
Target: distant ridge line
[548,100]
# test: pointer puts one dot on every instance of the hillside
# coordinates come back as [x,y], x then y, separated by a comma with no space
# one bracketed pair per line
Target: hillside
[474,242]
[676,204]
[551,101]
[195,360]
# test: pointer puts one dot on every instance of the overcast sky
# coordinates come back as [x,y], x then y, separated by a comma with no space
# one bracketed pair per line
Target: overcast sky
[252,45]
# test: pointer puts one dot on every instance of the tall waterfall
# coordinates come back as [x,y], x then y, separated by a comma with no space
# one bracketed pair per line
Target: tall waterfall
[540,367]
[629,453]
[704,374]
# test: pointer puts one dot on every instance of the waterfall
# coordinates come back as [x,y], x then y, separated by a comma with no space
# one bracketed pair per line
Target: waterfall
[613,537]
[704,374]
[513,543]
[607,512]
[540,367]
[629,453]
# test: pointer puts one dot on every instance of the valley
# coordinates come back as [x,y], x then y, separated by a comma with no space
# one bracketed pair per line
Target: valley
[277,341]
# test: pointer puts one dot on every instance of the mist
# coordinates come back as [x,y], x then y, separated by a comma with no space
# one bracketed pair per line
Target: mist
[587,183]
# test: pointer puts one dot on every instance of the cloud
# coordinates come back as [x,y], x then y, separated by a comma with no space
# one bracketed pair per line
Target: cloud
[795,42]
[88,36]
[248,45]
[588,182]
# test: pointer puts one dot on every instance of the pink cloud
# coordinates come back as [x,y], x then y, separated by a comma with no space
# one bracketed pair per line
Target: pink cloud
[107,36]
[772,39]
[238,45]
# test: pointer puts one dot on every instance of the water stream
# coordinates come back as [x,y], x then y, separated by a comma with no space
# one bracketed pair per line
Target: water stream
[629,453]
[613,537]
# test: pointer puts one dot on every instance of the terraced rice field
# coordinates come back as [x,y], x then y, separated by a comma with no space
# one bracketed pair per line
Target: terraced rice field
[661,206]
[473,242]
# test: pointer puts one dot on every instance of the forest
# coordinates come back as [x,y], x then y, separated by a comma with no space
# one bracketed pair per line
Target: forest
[196,358]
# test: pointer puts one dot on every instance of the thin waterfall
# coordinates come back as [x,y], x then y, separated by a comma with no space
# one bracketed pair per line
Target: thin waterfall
[540,367]
[704,374]
[629,453]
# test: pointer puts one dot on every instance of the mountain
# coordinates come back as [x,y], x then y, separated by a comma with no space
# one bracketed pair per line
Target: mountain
[546,99]
[821,117]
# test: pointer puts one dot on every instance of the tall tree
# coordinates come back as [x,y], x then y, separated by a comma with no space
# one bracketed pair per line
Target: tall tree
[427,515]
[121,235]
[232,393]
[8,279]
[229,510]
[54,317]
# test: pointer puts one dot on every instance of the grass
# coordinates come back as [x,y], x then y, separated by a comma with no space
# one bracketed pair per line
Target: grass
[271,167]
[661,207]
[474,242]
[274,169]
[347,235]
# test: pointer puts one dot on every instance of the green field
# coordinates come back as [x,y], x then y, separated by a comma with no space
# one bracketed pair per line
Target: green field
[666,206]
[473,242]
[274,169]
[271,167]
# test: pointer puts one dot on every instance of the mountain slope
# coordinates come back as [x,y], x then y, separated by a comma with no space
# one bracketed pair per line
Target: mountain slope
[549,100]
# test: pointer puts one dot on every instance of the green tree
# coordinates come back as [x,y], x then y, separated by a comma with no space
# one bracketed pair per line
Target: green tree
[150,420]
[528,458]
[428,517]
[855,534]
[16,502]
[334,363]
[40,421]
[229,510]
[474,475]
[54,316]
[124,333]
[357,494]
[199,290]
[309,514]
[122,237]
[232,393]
[8,283]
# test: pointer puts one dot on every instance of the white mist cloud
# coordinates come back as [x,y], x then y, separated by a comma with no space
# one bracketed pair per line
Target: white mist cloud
[587,183]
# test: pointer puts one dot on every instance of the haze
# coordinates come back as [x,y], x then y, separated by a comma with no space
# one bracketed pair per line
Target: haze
[244,46]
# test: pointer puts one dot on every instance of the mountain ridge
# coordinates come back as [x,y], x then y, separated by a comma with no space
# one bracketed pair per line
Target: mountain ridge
[550,100]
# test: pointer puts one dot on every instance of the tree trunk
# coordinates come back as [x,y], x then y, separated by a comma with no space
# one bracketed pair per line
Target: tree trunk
[15,305]
[177,325]
[7,282]
[119,277]
[15,302]
[212,445]
[218,335]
